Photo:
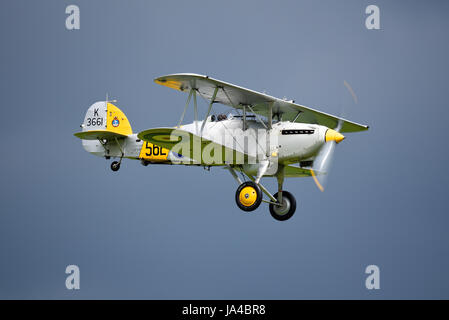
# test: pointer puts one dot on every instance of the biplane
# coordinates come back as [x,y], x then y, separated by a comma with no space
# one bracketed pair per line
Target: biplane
[263,137]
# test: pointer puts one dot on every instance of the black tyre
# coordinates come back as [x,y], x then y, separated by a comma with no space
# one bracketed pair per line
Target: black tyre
[115,165]
[288,208]
[248,196]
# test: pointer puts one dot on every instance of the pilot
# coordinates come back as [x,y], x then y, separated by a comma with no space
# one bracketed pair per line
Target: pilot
[222,117]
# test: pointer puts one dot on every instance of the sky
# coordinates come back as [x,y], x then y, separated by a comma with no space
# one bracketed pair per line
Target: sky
[173,232]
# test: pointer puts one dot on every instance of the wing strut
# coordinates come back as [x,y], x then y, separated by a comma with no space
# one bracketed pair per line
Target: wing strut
[297,116]
[270,115]
[195,111]
[185,108]
[244,118]
[208,110]
[235,107]
[257,116]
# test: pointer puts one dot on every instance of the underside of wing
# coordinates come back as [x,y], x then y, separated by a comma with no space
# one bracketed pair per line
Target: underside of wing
[293,171]
[191,147]
[237,97]
[98,134]
[296,172]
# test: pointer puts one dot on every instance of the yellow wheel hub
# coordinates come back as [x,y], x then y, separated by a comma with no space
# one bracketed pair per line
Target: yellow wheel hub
[248,196]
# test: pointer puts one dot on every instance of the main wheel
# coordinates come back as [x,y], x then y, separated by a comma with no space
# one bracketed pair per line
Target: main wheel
[286,210]
[115,165]
[248,196]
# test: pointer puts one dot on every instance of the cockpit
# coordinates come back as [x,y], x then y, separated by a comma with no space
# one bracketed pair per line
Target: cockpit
[219,117]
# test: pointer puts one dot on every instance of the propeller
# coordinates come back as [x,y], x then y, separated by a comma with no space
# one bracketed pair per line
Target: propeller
[322,162]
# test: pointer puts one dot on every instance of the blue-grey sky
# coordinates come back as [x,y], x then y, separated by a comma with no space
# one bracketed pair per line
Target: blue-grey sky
[162,232]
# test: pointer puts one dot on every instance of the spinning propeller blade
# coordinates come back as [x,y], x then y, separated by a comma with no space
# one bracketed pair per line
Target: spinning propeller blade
[323,160]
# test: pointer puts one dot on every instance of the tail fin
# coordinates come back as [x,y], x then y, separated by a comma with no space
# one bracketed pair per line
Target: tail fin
[104,120]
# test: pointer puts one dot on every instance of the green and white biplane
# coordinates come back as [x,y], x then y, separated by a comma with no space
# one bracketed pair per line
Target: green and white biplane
[266,136]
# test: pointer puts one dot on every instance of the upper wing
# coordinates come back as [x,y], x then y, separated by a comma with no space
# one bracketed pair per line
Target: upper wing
[237,97]
[191,146]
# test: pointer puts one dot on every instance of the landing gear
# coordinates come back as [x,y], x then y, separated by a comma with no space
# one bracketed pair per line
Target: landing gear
[248,196]
[115,165]
[285,209]
[285,205]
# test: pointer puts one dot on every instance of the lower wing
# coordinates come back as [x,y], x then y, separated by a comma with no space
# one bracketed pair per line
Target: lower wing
[192,147]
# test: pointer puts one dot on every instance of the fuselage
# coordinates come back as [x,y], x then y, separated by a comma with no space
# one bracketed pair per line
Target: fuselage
[288,142]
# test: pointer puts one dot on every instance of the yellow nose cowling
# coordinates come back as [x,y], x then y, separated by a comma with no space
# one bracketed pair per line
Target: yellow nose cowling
[332,135]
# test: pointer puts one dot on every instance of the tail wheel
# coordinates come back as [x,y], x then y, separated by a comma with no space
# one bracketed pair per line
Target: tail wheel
[286,210]
[115,165]
[248,196]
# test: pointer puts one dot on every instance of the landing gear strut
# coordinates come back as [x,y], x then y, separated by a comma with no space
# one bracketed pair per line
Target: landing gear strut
[115,165]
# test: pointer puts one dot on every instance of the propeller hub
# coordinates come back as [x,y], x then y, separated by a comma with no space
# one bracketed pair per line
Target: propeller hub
[332,135]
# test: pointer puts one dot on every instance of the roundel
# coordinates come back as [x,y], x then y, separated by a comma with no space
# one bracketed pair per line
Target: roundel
[115,122]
